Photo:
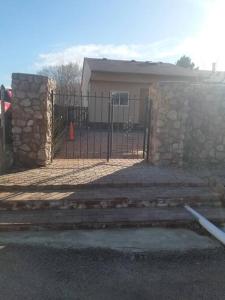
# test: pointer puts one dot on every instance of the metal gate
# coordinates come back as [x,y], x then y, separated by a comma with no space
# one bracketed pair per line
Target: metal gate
[92,126]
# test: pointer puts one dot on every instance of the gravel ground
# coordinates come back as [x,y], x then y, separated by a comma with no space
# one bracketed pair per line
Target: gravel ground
[36,272]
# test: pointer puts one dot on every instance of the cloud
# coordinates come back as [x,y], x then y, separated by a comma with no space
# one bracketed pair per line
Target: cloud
[153,51]
[201,50]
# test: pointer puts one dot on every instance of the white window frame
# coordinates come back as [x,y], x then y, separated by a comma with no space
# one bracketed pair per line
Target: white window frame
[111,92]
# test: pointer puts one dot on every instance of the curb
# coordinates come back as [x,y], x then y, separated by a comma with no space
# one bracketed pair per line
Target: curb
[38,188]
[116,202]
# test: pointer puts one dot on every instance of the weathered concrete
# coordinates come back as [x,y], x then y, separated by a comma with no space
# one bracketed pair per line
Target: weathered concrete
[103,217]
[95,172]
[105,197]
[36,272]
[101,184]
[147,240]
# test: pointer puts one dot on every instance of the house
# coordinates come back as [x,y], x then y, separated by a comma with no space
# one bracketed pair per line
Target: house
[127,83]
[212,76]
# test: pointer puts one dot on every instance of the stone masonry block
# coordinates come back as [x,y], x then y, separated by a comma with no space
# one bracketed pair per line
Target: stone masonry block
[31,135]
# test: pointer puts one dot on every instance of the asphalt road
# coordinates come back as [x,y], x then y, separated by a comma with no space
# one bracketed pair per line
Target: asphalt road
[34,272]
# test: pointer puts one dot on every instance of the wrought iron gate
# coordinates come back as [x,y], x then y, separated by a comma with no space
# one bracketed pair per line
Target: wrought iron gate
[100,127]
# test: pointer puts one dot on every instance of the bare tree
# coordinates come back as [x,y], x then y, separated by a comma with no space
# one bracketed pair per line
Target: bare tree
[67,77]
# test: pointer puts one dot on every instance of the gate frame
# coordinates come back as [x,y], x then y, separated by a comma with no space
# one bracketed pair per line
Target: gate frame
[110,122]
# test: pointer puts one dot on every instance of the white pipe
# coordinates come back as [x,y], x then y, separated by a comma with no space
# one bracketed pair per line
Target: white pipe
[210,227]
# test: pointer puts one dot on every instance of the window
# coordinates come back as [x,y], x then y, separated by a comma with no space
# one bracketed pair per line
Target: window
[120,98]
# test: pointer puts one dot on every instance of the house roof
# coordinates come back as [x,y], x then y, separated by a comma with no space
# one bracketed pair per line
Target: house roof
[138,67]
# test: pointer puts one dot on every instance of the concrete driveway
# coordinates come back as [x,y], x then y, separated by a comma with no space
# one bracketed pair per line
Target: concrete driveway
[35,265]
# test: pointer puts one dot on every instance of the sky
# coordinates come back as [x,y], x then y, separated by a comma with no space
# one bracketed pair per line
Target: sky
[38,33]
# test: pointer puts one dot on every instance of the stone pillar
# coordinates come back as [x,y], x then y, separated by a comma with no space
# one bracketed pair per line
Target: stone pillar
[32,119]
[169,114]
[205,130]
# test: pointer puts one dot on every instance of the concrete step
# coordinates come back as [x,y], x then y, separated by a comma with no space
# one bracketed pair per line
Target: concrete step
[110,198]
[144,241]
[104,218]
[161,183]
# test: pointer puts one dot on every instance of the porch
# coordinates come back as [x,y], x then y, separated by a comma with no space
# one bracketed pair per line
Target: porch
[94,193]
[72,173]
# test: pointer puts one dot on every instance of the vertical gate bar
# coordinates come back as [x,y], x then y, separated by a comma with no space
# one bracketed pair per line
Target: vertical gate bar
[80,123]
[128,124]
[138,139]
[67,112]
[61,125]
[2,97]
[138,128]
[70,107]
[112,125]
[115,129]
[76,126]
[123,128]
[149,126]
[101,125]
[108,136]
[73,119]
[118,130]
[145,126]
[65,121]
[95,125]
[52,125]
[58,120]
[133,129]
[88,124]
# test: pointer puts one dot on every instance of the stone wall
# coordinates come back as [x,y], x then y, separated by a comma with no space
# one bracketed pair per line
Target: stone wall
[31,119]
[205,126]
[169,114]
[188,124]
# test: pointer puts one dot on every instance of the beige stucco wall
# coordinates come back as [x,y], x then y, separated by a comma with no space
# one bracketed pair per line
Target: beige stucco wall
[86,75]
[85,83]
[99,105]
[135,78]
